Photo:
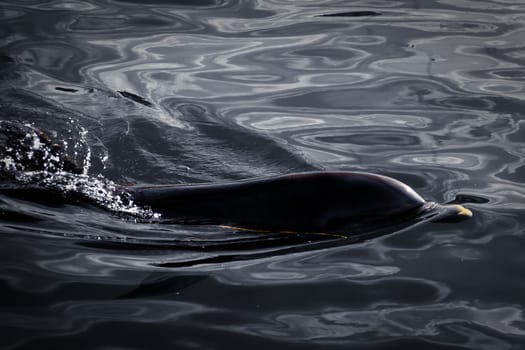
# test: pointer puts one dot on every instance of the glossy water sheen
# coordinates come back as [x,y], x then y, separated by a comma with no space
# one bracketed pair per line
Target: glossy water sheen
[429,92]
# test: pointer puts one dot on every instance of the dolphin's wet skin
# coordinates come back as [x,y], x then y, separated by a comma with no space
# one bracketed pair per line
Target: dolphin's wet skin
[262,174]
[347,203]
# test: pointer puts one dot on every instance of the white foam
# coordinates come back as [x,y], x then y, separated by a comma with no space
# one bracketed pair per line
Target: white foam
[8,163]
[97,189]
[100,190]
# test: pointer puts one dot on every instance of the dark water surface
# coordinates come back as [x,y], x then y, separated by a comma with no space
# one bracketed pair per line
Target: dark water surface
[429,92]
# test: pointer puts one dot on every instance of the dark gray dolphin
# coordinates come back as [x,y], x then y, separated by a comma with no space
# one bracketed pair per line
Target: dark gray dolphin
[317,202]
[346,203]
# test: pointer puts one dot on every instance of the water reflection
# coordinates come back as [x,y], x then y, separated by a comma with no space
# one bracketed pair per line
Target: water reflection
[327,326]
[182,91]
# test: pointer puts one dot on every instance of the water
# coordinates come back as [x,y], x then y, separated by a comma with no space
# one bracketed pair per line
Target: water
[431,93]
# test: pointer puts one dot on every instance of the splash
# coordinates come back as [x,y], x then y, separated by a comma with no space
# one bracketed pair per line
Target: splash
[28,157]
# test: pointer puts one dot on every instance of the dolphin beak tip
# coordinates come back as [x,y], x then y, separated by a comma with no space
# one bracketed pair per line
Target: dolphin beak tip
[462,211]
